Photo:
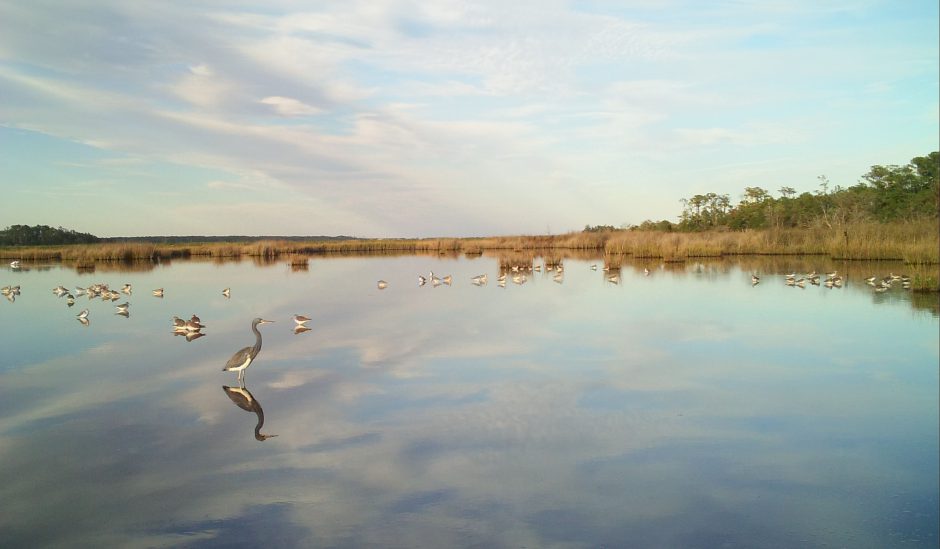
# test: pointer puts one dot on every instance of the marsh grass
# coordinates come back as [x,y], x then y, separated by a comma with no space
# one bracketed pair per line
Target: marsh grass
[915,243]
[299,261]
[925,278]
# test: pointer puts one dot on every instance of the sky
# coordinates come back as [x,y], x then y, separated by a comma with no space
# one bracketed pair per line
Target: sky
[447,118]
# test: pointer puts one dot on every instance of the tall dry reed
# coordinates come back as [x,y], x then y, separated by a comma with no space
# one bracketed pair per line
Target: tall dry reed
[916,242]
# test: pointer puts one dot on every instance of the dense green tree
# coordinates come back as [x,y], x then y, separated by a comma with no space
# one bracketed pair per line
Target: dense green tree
[704,211]
[599,228]
[787,192]
[902,192]
[663,225]
[885,193]
[39,235]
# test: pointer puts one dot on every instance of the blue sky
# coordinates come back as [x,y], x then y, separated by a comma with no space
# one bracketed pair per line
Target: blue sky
[445,118]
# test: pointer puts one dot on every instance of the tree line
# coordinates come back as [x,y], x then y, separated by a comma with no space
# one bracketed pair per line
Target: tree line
[26,235]
[884,194]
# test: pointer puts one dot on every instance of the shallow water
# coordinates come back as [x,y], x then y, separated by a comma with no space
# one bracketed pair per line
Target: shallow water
[686,408]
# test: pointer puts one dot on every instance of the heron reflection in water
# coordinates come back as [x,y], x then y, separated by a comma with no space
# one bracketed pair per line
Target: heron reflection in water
[243,398]
[241,360]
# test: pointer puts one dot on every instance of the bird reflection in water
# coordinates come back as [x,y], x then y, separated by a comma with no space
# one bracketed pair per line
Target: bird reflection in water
[243,398]
[189,335]
[299,329]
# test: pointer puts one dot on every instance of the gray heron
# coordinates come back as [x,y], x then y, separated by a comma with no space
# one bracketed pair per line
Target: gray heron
[243,358]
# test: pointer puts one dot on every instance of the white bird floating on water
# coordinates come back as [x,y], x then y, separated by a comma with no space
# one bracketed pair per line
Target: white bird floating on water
[381,284]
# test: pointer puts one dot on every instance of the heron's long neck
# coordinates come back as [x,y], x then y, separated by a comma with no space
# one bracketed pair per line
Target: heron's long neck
[257,347]
[260,413]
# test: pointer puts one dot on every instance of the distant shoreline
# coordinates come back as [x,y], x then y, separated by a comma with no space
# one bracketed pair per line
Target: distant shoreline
[199,239]
[916,242]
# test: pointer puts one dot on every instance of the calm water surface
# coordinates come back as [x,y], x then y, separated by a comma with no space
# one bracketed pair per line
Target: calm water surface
[686,408]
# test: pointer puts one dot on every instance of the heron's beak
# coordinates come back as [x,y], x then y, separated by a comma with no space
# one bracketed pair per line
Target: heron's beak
[266,321]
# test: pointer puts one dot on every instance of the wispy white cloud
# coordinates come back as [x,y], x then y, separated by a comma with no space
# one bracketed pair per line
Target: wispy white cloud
[469,109]
[285,106]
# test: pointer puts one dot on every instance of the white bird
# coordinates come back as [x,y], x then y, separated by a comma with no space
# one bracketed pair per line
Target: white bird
[192,326]
[301,320]
[83,314]
[227,292]
[158,292]
[422,281]
[381,284]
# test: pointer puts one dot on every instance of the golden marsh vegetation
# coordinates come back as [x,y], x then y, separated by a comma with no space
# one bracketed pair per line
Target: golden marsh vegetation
[916,243]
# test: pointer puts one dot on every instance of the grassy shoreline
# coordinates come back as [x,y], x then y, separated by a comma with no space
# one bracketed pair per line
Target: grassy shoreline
[914,243]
